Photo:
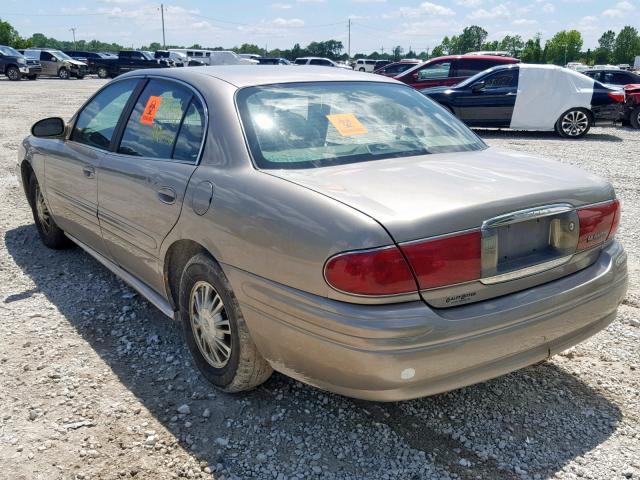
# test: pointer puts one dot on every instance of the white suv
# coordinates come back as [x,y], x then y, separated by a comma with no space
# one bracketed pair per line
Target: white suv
[325,62]
[363,65]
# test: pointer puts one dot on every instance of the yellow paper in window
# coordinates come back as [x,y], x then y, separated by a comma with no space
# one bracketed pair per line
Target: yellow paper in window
[347,124]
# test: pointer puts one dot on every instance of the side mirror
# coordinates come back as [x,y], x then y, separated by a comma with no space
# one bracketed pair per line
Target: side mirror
[478,87]
[48,127]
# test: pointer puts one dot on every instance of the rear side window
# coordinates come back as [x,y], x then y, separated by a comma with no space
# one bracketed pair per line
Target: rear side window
[97,121]
[435,70]
[154,127]
[469,67]
[191,132]
[318,61]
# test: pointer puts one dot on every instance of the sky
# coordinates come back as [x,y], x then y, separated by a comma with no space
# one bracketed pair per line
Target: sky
[375,24]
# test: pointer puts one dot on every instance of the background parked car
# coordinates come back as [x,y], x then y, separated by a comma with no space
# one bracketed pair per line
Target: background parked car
[56,63]
[87,57]
[365,65]
[450,70]
[215,57]
[126,61]
[178,59]
[531,97]
[273,61]
[613,78]
[15,65]
[632,105]
[319,61]
[396,68]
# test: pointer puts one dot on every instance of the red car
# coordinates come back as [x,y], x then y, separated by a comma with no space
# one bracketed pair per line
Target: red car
[450,70]
[632,105]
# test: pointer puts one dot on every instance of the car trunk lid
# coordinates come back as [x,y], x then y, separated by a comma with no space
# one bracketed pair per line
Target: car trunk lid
[423,197]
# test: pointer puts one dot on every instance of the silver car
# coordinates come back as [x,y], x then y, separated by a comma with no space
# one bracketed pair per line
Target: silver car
[335,226]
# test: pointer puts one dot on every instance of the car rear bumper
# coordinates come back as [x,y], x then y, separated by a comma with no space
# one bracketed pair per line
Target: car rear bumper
[401,351]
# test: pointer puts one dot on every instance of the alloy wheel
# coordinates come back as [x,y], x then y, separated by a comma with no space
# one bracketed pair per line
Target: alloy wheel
[63,73]
[102,72]
[574,123]
[13,73]
[210,324]
[44,217]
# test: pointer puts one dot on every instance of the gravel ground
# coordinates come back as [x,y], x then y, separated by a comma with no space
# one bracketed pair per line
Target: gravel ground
[96,383]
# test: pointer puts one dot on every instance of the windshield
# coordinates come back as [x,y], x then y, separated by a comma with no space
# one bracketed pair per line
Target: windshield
[10,52]
[309,125]
[60,55]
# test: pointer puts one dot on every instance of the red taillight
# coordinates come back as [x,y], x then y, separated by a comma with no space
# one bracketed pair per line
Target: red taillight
[381,271]
[598,223]
[616,96]
[445,261]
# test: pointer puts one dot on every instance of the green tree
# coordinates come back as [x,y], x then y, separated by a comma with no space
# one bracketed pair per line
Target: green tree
[8,34]
[564,47]
[532,51]
[438,51]
[471,39]
[512,44]
[397,52]
[627,45]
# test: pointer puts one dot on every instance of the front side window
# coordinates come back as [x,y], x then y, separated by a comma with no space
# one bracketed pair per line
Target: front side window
[97,121]
[317,124]
[301,61]
[435,70]
[46,56]
[154,124]
[502,79]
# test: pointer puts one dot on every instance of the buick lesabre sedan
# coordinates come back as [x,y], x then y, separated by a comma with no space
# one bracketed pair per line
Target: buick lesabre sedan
[335,226]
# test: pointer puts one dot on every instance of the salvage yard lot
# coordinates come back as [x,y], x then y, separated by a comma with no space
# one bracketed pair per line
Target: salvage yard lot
[96,383]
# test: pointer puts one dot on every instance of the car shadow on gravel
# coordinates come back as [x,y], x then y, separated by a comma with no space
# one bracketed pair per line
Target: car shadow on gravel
[551,136]
[534,421]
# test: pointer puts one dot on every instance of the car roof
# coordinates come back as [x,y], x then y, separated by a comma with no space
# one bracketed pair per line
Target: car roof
[242,76]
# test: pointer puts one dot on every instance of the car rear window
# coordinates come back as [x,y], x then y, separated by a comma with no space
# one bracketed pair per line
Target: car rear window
[310,125]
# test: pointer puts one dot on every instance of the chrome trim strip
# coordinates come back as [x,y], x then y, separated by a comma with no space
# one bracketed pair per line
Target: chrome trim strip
[525,272]
[527,214]
[151,295]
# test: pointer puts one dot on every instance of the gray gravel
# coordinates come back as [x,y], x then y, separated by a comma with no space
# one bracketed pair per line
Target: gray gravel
[96,383]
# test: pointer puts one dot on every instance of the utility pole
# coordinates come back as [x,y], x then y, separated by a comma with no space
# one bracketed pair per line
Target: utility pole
[73,30]
[164,45]
[382,49]
[349,41]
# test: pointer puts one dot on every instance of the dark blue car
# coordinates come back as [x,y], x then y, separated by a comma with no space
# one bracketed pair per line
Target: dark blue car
[531,97]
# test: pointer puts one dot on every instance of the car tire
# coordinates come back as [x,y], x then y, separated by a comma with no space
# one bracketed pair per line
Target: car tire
[361,69]
[13,73]
[634,118]
[102,72]
[574,123]
[63,74]
[215,331]
[32,77]
[50,234]
[79,77]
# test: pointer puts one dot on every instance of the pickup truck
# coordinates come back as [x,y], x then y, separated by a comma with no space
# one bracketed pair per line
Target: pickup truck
[127,60]
[15,66]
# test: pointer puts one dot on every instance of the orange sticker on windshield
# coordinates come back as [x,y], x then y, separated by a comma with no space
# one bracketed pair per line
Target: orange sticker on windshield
[150,110]
[347,124]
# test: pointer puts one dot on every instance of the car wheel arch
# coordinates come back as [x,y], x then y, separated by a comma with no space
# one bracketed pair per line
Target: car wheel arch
[177,256]
[26,172]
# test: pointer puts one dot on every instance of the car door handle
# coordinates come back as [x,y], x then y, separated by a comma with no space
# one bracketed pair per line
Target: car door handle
[167,195]
[89,172]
